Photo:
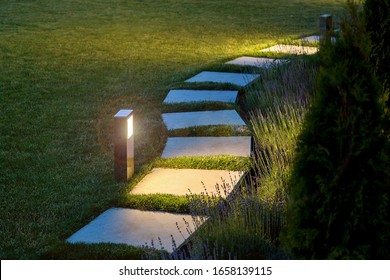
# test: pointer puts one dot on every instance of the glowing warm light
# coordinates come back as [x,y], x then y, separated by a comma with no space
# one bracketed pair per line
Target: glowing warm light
[130,127]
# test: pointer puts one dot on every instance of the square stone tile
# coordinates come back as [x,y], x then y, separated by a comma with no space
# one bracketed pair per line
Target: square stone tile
[238,79]
[260,62]
[185,95]
[292,49]
[188,181]
[311,39]
[315,39]
[207,146]
[136,228]
[202,118]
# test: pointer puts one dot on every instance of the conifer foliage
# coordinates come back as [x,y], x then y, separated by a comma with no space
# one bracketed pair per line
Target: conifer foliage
[339,190]
[377,16]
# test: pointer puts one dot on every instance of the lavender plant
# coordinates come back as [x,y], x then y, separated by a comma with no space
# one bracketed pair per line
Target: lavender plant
[247,224]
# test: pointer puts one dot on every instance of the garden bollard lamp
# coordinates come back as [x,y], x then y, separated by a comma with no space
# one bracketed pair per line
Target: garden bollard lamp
[123,145]
[326,26]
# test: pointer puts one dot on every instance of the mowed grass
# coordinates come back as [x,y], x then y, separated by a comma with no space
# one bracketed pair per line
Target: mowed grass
[66,67]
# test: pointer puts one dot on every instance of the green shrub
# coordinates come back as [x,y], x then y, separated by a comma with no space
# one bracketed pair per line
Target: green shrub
[377,17]
[339,188]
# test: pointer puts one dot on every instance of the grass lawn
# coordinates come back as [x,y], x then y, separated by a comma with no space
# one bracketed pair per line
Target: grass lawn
[66,67]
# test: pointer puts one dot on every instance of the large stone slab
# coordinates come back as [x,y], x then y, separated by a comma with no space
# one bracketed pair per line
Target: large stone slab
[190,119]
[135,227]
[311,39]
[207,146]
[188,181]
[185,95]
[224,77]
[292,49]
[260,62]
[315,39]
